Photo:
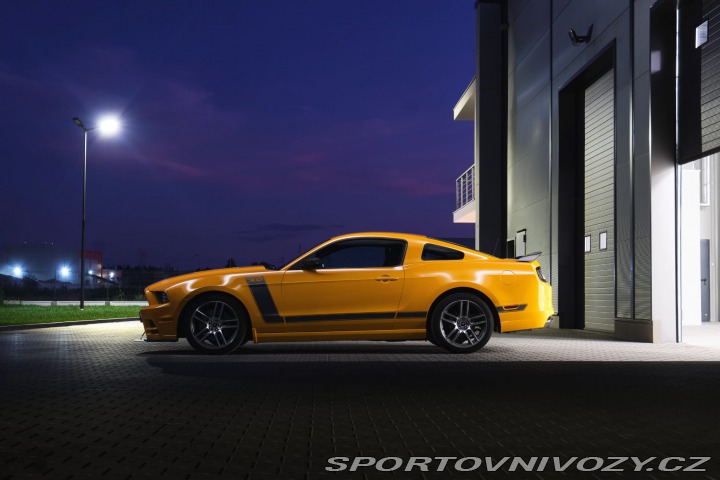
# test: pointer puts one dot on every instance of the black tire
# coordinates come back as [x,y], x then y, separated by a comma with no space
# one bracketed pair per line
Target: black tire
[461,323]
[215,324]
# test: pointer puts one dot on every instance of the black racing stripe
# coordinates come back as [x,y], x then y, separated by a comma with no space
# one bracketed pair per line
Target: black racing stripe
[341,316]
[412,315]
[264,300]
[519,308]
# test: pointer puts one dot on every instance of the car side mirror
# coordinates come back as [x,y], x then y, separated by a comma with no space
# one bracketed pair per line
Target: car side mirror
[311,263]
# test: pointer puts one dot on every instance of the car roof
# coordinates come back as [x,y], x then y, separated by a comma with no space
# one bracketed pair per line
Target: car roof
[414,238]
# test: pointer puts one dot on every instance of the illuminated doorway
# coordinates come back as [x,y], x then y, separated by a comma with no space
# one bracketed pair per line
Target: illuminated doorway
[699,224]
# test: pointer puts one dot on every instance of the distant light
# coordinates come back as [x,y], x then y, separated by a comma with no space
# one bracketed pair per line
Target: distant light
[17,271]
[112,274]
[64,271]
[89,272]
[109,126]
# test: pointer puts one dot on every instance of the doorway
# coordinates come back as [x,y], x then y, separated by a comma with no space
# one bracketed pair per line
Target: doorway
[699,224]
[586,207]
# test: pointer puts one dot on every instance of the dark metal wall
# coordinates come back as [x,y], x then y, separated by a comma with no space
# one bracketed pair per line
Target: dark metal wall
[490,118]
[542,62]
[699,80]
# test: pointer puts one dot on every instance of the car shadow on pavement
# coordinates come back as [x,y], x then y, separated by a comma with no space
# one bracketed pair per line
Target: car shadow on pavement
[381,348]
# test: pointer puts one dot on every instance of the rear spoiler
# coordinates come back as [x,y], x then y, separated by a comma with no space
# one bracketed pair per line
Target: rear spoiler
[529,257]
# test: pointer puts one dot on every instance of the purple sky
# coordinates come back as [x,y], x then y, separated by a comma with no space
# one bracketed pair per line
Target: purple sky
[250,128]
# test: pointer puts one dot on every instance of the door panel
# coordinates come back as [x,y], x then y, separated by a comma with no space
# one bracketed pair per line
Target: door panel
[599,202]
[705,279]
[341,299]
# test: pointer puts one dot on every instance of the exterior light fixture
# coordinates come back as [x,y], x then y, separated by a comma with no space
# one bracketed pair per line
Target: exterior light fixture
[108,126]
[578,39]
[17,271]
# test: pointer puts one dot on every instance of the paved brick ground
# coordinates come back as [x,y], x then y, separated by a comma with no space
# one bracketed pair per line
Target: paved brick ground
[89,402]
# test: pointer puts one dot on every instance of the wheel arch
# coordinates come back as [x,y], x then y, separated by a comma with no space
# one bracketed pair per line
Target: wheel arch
[472,291]
[209,293]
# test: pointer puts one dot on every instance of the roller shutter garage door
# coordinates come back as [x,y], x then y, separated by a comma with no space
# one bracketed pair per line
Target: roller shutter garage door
[599,204]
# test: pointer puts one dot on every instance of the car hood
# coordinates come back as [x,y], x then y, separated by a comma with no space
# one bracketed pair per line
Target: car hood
[169,282]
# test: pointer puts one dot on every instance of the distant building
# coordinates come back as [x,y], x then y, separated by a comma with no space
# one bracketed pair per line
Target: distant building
[47,263]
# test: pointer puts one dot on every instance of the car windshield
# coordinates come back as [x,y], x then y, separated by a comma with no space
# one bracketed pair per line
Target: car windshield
[280,267]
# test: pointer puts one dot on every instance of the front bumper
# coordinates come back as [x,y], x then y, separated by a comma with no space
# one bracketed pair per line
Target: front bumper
[160,323]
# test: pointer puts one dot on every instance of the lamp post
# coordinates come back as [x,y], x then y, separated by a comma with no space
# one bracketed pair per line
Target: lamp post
[107,287]
[54,302]
[109,126]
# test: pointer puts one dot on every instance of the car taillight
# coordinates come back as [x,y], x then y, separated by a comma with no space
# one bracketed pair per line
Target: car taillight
[540,275]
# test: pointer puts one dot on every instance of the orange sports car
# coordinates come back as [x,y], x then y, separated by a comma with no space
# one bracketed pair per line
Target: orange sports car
[362,286]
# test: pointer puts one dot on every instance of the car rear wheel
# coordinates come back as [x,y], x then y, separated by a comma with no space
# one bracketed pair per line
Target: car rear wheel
[462,323]
[215,324]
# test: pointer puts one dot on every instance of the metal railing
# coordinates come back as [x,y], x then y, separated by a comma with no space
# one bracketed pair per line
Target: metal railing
[465,188]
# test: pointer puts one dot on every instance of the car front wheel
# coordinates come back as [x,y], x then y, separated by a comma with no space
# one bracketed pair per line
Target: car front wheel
[215,324]
[462,323]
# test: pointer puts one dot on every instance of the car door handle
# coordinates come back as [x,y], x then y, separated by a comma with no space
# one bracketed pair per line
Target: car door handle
[386,278]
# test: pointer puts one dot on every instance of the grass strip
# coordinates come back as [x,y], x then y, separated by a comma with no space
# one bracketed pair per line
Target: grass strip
[29,314]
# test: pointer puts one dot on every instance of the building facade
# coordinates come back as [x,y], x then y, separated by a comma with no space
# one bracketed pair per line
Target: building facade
[596,128]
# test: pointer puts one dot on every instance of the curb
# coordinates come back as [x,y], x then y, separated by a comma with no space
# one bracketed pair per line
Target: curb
[69,323]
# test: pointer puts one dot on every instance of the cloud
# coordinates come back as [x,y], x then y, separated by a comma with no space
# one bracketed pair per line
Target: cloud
[275,231]
[288,228]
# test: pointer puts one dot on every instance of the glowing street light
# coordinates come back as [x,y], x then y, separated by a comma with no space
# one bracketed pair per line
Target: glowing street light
[17,271]
[64,273]
[107,126]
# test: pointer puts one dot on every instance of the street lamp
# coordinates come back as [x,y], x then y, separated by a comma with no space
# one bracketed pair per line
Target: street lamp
[108,126]
[111,275]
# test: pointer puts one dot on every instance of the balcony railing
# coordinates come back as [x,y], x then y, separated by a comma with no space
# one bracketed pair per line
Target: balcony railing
[465,188]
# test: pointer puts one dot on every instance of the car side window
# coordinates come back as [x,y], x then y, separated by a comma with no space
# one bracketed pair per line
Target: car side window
[363,253]
[436,252]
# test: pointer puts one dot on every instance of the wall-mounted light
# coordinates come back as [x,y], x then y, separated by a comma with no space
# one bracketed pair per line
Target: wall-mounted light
[578,39]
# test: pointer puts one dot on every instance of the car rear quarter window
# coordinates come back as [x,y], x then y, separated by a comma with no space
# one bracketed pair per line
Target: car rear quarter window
[436,252]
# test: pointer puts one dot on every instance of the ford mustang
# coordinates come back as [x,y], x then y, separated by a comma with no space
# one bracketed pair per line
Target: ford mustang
[364,286]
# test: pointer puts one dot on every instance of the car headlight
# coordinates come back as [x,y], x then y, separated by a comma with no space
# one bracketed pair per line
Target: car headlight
[161,297]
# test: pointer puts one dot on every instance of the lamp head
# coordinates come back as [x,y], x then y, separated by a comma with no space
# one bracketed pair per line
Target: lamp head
[109,126]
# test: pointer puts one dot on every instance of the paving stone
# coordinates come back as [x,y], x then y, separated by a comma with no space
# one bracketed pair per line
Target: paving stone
[89,402]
